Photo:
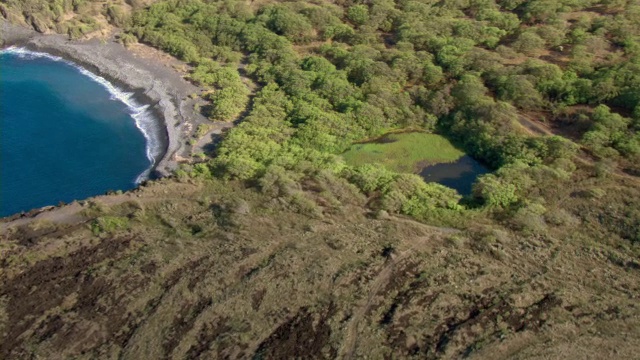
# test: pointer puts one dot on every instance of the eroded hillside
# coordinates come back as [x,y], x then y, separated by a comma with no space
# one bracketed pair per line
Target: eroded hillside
[204,269]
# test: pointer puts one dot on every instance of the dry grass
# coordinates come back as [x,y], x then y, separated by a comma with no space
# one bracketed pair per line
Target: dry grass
[195,277]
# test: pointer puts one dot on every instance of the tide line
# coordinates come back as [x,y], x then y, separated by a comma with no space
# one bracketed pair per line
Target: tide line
[141,114]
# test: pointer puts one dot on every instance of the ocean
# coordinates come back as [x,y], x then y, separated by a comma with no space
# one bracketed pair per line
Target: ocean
[67,134]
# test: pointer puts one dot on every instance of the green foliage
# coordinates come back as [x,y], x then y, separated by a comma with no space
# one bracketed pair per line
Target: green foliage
[201,170]
[116,16]
[521,92]
[314,107]
[330,74]
[529,219]
[277,181]
[127,39]
[494,192]
[405,194]
[529,43]
[109,224]
[611,133]
[410,195]
[284,21]
[370,178]
[258,140]
[227,103]
[229,97]
[358,14]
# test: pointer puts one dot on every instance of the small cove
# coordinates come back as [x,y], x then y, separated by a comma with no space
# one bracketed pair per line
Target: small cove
[67,134]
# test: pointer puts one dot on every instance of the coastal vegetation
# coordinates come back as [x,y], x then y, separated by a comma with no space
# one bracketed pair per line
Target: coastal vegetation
[541,94]
[296,237]
[76,18]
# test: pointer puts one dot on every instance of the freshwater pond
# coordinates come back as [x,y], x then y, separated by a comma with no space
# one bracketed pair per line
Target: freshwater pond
[408,152]
[459,175]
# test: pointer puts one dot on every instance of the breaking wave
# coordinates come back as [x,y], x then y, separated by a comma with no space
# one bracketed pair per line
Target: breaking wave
[144,119]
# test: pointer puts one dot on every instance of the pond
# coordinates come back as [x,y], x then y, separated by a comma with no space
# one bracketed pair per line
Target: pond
[459,175]
[431,156]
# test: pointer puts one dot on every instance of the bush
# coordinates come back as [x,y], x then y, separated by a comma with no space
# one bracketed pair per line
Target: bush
[109,224]
[529,219]
[370,178]
[116,16]
[494,192]
[529,43]
[304,205]
[127,39]
[288,23]
[276,181]
[358,14]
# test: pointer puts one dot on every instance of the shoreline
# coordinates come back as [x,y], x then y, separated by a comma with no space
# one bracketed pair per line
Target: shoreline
[161,88]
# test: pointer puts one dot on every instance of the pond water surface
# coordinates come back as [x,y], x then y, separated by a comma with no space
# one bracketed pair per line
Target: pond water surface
[459,175]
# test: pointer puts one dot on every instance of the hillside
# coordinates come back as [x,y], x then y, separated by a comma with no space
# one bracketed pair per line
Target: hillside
[272,244]
[212,270]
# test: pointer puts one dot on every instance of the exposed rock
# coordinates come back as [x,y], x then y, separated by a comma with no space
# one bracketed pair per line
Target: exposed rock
[37,23]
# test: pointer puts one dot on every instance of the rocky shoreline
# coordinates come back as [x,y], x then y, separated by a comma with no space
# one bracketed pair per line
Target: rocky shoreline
[163,88]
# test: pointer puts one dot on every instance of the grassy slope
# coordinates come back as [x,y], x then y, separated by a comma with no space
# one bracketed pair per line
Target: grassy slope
[405,152]
[195,272]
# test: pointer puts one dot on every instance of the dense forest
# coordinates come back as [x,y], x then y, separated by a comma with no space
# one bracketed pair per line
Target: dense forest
[331,74]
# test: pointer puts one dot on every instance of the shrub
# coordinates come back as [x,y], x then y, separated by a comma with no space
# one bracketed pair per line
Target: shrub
[109,224]
[494,192]
[358,14]
[529,43]
[529,219]
[116,16]
[304,205]
[127,39]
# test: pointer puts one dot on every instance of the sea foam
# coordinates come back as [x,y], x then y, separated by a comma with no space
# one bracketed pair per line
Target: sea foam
[144,119]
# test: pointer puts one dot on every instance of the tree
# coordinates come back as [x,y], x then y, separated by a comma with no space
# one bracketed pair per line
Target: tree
[358,14]
[529,43]
[288,23]
[494,192]
[520,92]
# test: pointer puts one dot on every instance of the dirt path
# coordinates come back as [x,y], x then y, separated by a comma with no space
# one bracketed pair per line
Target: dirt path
[534,127]
[380,282]
[351,336]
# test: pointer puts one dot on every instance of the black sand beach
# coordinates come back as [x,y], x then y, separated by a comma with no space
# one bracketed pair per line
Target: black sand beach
[151,82]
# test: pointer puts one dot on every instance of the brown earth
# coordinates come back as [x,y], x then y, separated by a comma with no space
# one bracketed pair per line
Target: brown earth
[189,276]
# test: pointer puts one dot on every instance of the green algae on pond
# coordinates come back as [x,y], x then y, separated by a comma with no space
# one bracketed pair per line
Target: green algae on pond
[431,156]
[404,152]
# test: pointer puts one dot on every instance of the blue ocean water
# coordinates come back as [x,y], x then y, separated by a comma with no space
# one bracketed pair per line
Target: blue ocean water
[65,134]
